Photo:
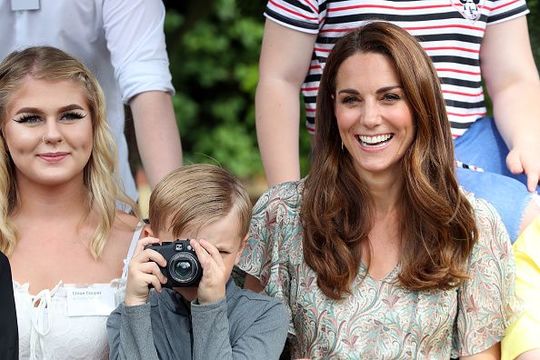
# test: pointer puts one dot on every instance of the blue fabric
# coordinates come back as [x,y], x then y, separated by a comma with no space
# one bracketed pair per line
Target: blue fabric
[483,146]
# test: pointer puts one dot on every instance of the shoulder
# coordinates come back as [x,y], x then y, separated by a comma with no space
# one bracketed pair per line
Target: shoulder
[482,209]
[493,239]
[286,196]
[125,225]
[250,307]
[122,234]
[488,220]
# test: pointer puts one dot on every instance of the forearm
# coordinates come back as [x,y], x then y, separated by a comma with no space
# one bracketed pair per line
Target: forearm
[130,334]
[158,138]
[277,109]
[493,353]
[211,331]
[516,111]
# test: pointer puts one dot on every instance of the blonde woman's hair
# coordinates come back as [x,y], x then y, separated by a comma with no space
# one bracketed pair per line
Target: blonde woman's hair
[100,173]
[196,195]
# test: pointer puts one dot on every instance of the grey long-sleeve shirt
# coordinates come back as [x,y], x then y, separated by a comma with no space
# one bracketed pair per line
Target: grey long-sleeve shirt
[245,325]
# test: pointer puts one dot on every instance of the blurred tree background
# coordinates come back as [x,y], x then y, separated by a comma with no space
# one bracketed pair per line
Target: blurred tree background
[214,48]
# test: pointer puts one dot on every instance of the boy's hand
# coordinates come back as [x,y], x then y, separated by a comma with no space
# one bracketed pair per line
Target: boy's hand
[144,271]
[212,286]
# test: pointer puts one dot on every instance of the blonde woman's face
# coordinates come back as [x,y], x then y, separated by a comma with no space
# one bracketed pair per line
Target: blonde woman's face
[48,131]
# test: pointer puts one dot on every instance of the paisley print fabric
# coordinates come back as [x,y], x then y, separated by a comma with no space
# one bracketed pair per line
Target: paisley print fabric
[380,319]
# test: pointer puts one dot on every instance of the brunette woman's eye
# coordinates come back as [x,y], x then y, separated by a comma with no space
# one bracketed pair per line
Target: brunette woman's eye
[73,115]
[391,97]
[348,99]
[29,119]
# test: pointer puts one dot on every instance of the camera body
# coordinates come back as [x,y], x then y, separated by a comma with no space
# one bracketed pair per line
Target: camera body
[183,268]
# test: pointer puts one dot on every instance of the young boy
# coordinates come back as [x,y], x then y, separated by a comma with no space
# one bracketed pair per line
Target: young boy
[216,319]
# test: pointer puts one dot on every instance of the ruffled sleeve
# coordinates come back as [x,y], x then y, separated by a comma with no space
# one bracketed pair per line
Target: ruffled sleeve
[486,300]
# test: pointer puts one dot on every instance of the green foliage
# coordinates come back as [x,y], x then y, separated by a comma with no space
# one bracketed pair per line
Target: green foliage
[214,62]
[214,67]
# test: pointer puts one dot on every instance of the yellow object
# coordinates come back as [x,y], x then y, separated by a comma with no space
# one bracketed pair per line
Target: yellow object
[524,332]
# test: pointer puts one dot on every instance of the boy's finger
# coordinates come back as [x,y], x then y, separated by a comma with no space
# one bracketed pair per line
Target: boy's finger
[150,255]
[153,269]
[202,254]
[145,241]
[151,279]
[213,251]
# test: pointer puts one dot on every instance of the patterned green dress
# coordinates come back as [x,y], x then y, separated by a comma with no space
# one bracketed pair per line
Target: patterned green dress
[380,319]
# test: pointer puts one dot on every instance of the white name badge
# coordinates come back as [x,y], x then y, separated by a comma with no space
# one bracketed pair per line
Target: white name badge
[95,300]
[17,5]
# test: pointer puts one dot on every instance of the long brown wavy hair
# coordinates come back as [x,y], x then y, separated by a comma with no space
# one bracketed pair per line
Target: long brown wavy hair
[438,229]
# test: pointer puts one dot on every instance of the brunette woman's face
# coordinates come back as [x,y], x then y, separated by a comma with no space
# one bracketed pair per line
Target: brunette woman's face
[373,115]
[48,131]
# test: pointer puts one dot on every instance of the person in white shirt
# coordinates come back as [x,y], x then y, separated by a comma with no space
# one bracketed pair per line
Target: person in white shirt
[59,223]
[123,44]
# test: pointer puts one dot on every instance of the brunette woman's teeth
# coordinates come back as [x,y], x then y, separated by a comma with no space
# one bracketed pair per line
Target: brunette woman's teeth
[373,140]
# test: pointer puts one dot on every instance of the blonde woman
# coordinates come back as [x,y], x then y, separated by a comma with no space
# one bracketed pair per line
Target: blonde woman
[59,223]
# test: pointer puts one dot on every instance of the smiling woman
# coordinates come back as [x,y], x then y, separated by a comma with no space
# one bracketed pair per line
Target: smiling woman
[378,253]
[59,223]
[49,136]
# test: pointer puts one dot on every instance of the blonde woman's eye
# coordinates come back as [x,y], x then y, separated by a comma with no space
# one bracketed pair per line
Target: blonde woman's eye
[29,119]
[73,115]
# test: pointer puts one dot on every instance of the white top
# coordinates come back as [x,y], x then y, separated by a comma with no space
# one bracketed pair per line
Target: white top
[120,41]
[47,332]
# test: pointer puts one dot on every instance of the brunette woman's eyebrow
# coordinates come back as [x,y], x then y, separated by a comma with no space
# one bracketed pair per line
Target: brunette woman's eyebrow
[388,88]
[348,91]
[379,91]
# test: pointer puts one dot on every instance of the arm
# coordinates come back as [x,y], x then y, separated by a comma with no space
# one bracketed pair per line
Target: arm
[157,134]
[283,65]
[486,301]
[263,340]
[493,353]
[129,332]
[513,84]
[129,327]
[136,41]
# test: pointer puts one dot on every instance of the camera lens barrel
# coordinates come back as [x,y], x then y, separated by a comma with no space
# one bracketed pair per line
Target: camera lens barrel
[184,269]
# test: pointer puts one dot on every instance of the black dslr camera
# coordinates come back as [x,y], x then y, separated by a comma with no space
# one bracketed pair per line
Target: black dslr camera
[183,268]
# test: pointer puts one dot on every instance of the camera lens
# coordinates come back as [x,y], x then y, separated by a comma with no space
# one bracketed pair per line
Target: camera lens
[183,268]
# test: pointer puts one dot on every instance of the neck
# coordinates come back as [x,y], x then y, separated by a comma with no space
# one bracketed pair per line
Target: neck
[385,192]
[48,202]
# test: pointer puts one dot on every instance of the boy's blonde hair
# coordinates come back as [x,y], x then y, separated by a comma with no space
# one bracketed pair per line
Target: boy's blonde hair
[196,195]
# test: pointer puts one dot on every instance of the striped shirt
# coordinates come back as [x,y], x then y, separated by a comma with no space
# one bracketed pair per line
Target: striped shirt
[450,31]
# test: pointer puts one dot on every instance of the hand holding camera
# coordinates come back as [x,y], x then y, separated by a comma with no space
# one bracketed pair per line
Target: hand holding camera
[191,263]
[182,268]
[181,263]
[144,272]
[215,275]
